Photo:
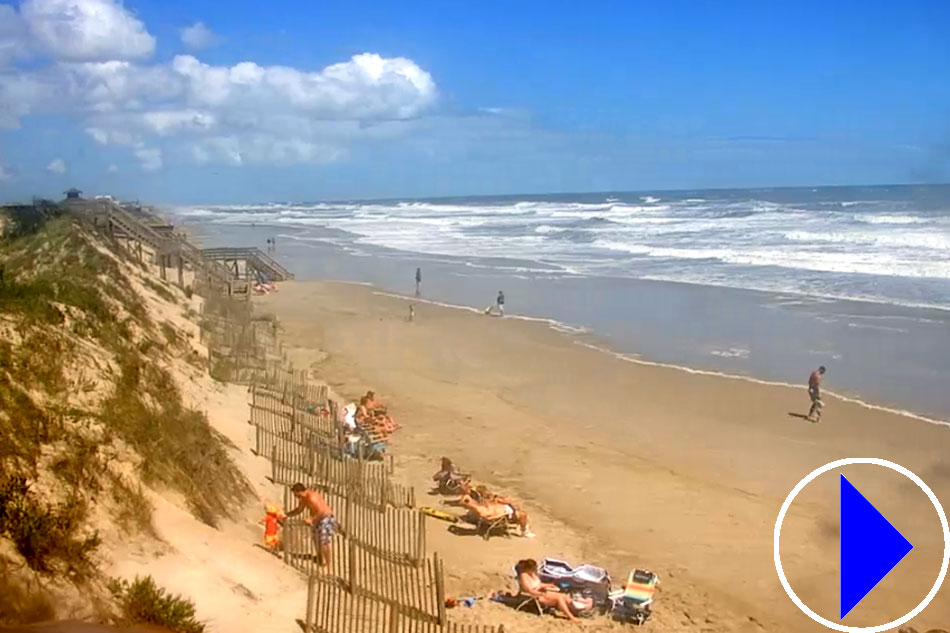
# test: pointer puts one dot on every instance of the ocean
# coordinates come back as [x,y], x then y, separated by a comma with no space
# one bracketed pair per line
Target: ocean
[766,283]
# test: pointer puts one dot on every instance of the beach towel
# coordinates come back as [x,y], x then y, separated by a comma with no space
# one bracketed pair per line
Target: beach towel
[438,514]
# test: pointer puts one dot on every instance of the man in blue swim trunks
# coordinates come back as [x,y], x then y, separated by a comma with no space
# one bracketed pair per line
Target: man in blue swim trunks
[321,521]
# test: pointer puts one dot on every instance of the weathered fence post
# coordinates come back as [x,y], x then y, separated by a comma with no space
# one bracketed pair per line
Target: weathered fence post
[311,586]
[439,589]
[354,578]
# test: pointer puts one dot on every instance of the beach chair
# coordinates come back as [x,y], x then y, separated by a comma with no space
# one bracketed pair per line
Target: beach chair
[498,527]
[634,603]
[453,484]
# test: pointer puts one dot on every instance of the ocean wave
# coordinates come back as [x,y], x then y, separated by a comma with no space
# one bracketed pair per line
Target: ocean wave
[891,219]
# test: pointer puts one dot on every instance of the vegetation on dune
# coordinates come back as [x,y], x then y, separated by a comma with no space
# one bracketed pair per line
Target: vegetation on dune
[49,538]
[144,602]
[68,311]
[179,447]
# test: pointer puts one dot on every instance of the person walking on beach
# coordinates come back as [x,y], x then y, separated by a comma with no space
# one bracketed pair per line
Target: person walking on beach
[321,520]
[814,391]
[418,280]
[500,302]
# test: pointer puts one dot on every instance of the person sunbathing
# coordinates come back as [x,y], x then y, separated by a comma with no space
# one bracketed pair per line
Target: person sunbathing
[482,495]
[366,419]
[378,410]
[449,479]
[491,511]
[547,594]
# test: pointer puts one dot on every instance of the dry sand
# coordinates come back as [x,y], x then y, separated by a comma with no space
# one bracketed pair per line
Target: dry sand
[624,464]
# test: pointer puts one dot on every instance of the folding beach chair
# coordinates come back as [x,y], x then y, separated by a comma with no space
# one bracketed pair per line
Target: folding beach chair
[634,603]
[498,527]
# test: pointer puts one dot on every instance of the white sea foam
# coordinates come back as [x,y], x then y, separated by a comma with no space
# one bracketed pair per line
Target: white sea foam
[752,243]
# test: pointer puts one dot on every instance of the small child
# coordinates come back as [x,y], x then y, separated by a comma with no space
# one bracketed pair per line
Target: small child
[271,523]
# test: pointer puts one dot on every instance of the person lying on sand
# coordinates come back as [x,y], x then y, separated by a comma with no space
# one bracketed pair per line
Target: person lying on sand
[450,480]
[490,511]
[547,594]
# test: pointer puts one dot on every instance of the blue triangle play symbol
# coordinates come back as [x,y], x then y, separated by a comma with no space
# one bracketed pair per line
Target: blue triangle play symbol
[870,547]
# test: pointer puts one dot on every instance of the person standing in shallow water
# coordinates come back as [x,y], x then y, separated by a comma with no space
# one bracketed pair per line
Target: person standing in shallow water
[500,302]
[814,392]
[418,280]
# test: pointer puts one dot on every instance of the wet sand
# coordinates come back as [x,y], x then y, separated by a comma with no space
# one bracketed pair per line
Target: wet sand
[629,464]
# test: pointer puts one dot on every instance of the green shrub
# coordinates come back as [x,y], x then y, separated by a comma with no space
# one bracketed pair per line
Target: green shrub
[144,602]
[46,536]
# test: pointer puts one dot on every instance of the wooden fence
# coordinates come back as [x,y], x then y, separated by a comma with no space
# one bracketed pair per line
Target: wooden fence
[414,588]
[397,534]
[368,482]
[332,609]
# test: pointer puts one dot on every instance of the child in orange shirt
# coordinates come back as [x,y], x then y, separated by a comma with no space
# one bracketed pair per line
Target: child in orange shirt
[271,522]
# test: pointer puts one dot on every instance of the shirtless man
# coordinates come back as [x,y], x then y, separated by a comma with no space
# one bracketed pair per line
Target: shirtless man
[321,520]
[493,510]
[814,391]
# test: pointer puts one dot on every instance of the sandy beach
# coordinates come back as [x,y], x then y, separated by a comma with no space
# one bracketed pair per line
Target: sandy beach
[624,464]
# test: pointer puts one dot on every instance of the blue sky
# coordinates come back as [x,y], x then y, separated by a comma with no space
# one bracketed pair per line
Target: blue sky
[432,98]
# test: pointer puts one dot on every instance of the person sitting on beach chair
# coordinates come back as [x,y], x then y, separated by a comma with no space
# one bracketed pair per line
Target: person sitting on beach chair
[547,595]
[482,495]
[378,410]
[449,481]
[371,422]
[490,517]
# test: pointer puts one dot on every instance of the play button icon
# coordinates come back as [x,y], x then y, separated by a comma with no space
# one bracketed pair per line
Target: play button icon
[870,547]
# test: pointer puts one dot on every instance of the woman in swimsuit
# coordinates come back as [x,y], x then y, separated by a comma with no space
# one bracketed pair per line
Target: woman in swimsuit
[547,594]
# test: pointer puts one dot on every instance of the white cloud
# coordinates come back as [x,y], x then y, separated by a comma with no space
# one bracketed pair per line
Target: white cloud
[6,173]
[13,35]
[240,114]
[150,158]
[86,30]
[112,169]
[198,36]
[56,166]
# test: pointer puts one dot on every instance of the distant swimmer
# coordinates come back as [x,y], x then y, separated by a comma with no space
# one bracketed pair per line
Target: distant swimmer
[418,280]
[814,391]
[500,302]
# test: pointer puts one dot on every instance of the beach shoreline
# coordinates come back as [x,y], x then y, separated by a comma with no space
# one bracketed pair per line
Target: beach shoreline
[772,337]
[600,345]
[680,471]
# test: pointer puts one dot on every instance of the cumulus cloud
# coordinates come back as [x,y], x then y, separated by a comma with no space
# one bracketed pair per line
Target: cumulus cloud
[238,114]
[198,36]
[150,158]
[12,35]
[56,166]
[86,30]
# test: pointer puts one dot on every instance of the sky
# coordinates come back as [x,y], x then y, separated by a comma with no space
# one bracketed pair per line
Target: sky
[244,102]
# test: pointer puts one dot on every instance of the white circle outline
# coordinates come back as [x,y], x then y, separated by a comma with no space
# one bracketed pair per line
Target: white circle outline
[876,462]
